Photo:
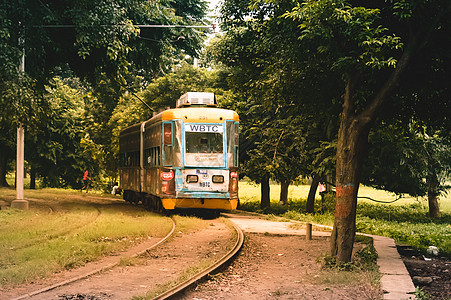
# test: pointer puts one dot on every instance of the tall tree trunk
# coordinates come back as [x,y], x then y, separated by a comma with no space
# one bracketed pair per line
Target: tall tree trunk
[310,206]
[433,193]
[351,146]
[284,192]
[3,164]
[265,197]
[32,178]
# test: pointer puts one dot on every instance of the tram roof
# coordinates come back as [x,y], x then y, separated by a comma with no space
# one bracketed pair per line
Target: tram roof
[189,115]
[196,114]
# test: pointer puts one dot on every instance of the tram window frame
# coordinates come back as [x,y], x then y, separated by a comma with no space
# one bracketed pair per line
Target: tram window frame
[232,143]
[131,159]
[167,153]
[236,153]
[152,157]
[122,159]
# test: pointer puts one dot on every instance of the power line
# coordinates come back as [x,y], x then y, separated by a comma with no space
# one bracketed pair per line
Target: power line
[213,26]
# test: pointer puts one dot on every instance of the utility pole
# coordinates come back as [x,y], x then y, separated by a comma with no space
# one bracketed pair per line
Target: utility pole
[20,202]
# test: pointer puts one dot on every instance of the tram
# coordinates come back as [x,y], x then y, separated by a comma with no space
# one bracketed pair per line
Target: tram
[186,157]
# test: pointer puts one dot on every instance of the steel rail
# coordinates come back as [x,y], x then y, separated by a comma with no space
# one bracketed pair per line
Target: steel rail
[98,270]
[202,274]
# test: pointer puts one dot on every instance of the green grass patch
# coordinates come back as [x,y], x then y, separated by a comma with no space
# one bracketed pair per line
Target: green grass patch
[41,241]
[362,269]
[407,224]
[188,223]
[406,220]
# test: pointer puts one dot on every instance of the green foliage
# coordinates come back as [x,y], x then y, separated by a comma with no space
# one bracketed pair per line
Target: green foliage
[408,224]
[282,118]
[403,160]
[55,150]
[165,90]
[364,259]
[20,102]
[351,36]
[420,294]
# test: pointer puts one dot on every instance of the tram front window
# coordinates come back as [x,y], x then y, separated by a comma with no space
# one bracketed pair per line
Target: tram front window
[204,145]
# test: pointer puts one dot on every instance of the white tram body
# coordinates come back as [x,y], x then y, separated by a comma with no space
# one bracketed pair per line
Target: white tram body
[185,157]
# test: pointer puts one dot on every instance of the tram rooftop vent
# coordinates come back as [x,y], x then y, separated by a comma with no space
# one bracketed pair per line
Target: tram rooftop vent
[197,98]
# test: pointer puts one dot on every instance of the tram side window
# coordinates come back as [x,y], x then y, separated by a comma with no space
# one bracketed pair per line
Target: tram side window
[147,157]
[152,156]
[237,152]
[132,159]
[232,143]
[122,159]
[167,144]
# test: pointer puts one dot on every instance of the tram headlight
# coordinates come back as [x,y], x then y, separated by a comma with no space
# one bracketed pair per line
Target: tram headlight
[217,179]
[192,178]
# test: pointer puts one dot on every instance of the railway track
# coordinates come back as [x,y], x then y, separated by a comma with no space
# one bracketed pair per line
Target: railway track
[96,270]
[172,292]
[202,274]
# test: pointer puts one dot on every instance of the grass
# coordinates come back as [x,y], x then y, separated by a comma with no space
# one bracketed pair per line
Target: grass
[65,229]
[405,220]
[249,191]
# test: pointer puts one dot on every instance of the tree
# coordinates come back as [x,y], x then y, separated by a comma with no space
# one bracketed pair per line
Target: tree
[20,103]
[55,151]
[355,55]
[372,47]
[260,51]
[161,93]
[406,159]
[98,41]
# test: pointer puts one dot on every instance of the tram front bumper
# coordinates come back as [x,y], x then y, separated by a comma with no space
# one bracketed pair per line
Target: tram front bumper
[207,203]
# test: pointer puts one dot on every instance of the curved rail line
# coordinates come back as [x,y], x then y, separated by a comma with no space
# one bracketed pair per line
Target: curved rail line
[202,274]
[98,270]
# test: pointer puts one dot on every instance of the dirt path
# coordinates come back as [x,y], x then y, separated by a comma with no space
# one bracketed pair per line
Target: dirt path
[270,266]
[134,277]
[278,262]
[281,267]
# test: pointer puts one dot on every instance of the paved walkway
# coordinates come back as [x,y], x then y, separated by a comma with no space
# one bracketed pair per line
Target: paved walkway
[395,282]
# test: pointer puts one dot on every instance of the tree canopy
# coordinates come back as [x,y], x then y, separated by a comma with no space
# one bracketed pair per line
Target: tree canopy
[100,42]
[357,61]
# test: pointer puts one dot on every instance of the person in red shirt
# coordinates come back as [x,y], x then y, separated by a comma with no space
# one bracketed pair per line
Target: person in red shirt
[86,179]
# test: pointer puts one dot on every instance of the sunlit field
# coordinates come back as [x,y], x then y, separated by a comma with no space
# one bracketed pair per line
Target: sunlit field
[405,220]
[64,229]
[249,191]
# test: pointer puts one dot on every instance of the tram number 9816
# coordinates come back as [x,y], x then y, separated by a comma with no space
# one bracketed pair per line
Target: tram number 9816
[204,184]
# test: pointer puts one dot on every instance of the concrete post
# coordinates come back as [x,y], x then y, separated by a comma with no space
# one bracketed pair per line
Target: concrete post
[20,203]
[308,231]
